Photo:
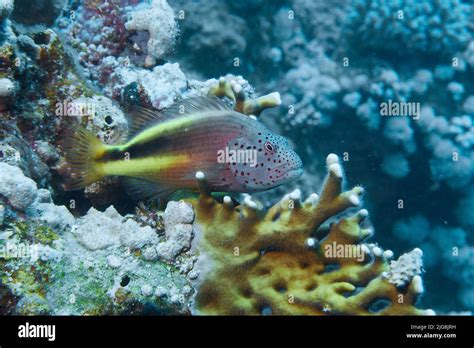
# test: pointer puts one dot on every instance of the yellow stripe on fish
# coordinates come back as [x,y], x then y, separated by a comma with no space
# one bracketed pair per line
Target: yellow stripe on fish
[149,167]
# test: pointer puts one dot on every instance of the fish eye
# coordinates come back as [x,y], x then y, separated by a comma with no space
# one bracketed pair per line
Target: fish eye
[269,147]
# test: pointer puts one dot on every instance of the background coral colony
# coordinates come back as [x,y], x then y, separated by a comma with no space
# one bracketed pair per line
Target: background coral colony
[375,97]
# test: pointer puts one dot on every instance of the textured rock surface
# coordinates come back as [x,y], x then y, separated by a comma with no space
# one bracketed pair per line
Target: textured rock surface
[19,190]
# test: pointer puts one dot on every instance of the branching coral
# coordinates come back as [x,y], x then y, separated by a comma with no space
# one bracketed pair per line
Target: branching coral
[284,262]
[233,90]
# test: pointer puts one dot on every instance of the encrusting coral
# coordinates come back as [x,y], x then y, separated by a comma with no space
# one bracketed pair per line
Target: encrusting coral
[279,262]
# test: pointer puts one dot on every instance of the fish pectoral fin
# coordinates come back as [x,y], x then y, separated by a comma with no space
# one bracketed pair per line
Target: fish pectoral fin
[214,174]
[142,189]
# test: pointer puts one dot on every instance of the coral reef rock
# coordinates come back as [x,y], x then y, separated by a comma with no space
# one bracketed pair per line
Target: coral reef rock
[158,21]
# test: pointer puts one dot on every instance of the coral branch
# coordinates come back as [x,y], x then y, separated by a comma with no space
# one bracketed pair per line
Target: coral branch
[233,90]
[271,263]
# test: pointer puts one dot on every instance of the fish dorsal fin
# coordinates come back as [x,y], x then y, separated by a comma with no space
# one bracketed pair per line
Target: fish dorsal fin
[142,118]
[195,104]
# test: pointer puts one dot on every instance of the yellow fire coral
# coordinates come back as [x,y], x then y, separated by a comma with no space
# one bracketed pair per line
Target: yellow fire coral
[242,103]
[285,262]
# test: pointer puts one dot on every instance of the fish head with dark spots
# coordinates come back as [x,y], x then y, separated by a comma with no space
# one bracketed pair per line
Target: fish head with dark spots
[263,160]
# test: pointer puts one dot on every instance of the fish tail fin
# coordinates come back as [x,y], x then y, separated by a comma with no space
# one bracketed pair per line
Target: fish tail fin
[82,150]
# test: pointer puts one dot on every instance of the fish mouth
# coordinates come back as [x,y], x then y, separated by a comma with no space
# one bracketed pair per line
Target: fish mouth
[295,173]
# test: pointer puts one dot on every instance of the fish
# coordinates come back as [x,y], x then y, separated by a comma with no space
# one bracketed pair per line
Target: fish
[165,150]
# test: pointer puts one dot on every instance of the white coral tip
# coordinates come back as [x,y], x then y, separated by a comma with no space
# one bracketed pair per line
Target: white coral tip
[237,88]
[430,312]
[363,213]
[336,169]
[331,159]
[312,199]
[253,117]
[417,284]
[377,251]
[249,203]
[388,254]
[276,97]
[227,200]
[200,176]
[295,195]
[285,198]
[311,242]
[367,231]
[418,251]
[354,200]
